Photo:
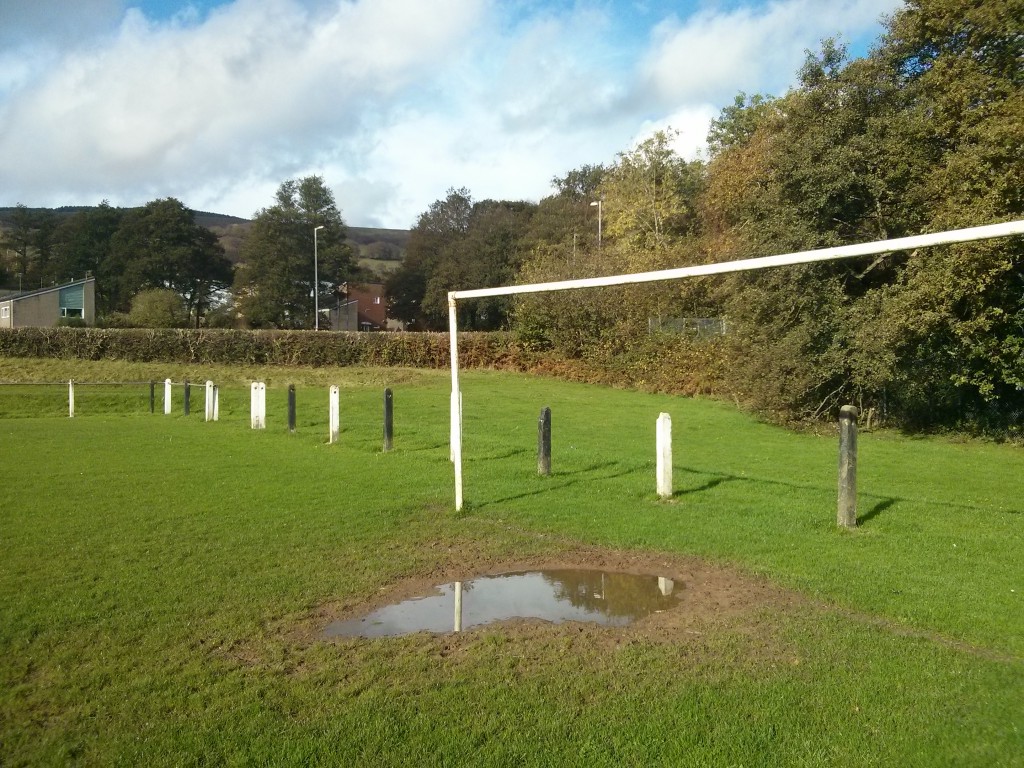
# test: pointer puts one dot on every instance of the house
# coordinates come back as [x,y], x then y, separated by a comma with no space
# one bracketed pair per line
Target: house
[46,307]
[361,307]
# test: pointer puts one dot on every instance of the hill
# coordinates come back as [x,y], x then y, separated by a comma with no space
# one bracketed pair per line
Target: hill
[378,249]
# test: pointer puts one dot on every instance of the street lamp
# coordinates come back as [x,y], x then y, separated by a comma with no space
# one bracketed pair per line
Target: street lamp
[598,204]
[316,282]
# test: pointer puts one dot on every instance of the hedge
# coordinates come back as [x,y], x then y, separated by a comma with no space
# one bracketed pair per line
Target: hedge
[657,363]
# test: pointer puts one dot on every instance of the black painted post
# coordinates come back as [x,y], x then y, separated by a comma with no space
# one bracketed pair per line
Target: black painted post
[846,517]
[152,397]
[544,442]
[188,398]
[389,420]
[291,407]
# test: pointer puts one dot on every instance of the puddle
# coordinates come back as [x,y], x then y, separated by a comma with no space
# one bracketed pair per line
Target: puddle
[612,599]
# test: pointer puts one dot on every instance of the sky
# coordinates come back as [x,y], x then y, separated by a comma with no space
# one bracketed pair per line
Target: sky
[392,102]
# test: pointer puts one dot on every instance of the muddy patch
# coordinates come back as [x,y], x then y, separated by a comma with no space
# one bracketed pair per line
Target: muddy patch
[704,597]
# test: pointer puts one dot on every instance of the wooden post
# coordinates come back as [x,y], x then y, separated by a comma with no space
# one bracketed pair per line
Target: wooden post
[389,420]
[664,449]
[846,517]
[334,416]
[167,397]
[458,606]
[188,398]
[216,403]
[291,407]
[71,398]
[544,442]
[152,396]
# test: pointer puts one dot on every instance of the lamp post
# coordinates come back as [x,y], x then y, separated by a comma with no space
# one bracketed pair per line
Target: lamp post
[598,204]
[316,282]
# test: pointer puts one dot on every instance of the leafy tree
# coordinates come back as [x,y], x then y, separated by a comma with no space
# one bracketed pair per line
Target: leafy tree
[649,201]
[161,246]
[20,239]
[580,184]
[458,243]
[917,136]
[648,204]
[276,286]
[444,222]
[82,245]
[29,240]
[158,308]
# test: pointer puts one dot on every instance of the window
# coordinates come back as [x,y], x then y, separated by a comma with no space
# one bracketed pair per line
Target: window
[72,312]
[5,312]
[376,299]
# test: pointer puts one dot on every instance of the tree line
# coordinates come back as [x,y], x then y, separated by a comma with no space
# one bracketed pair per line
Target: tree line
[156,267]
[922,134]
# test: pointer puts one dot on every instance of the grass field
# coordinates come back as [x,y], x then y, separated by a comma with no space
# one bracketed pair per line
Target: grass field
[163,581]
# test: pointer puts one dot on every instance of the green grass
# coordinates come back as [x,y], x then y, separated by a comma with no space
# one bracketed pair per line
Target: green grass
[161,576]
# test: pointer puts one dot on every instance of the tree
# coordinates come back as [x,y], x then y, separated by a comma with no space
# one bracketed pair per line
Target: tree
[19,239]
[444,222]
[276,286]
[158,308]
[649,210]
[161,246]
[649,200]
[458,243]
[82,246]
[919,135]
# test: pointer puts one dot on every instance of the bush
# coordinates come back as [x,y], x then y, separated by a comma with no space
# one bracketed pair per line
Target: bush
[666,363]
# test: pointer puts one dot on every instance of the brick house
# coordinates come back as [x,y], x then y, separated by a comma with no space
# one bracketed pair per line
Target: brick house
[360,307]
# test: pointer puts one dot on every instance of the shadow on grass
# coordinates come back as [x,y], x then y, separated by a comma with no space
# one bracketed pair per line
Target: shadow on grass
[876,510]
[713,483]
[578,476]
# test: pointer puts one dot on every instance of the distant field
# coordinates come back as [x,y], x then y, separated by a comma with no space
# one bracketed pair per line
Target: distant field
[165,581]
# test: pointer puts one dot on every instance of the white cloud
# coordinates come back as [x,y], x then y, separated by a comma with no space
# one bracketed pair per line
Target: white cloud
[256,85]
[711,56]
[391,101]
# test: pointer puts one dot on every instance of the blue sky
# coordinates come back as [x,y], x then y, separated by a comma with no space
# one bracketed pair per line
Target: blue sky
[391,101]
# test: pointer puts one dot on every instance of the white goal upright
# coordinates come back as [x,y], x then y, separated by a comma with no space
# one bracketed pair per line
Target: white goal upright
[837,253]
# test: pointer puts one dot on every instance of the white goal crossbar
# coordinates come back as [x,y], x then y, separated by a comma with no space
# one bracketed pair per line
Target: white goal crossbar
[837,253]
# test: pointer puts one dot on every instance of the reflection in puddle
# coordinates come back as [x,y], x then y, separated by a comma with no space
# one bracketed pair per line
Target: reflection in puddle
[613,599]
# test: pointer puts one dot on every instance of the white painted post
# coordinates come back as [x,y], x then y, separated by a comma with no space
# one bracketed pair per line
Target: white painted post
[665,586]
[209,400]
[71,398]
[167,397]
[456,425]
[664,448]
[216,403]
[458,606]
[456,403]
[334,416]
[258,405]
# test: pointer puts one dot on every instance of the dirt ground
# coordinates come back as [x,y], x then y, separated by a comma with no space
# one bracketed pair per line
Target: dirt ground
[713,599]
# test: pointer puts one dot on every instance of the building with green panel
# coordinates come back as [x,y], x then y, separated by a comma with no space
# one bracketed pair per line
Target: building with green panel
[47,307]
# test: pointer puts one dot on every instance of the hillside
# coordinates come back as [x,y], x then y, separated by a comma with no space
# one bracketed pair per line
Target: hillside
[378,249]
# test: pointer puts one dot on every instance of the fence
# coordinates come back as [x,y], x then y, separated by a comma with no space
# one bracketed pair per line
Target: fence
[77,398]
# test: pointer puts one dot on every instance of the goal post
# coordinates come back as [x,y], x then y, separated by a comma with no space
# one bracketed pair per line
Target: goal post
[837,253]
